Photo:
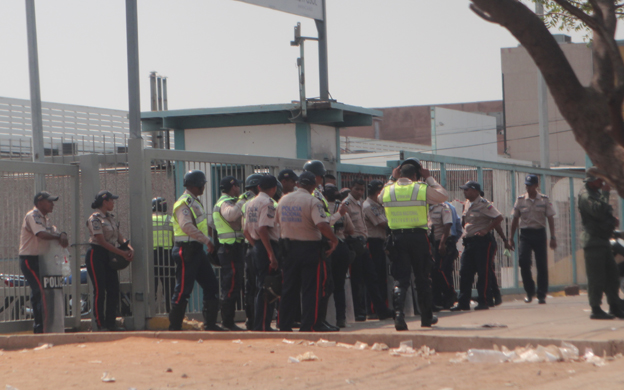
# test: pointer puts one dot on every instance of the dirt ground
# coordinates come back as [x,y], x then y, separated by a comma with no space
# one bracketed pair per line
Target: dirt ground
[140,363]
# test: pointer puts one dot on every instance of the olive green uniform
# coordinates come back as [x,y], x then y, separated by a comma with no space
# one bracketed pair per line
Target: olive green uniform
[598,225]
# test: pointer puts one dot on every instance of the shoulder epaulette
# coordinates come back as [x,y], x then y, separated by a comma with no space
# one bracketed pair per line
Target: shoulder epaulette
[521,196]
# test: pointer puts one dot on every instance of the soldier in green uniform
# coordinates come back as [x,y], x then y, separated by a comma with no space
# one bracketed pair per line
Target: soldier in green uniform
[598,226]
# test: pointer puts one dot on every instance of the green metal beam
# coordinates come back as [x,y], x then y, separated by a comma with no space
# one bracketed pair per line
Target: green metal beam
[371,170]
[490,164]
[303,139]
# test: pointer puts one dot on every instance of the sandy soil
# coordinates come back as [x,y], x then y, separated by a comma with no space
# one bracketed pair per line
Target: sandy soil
[138,363]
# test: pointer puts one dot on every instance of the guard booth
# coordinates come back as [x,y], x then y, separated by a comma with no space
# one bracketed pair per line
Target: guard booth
[239,141]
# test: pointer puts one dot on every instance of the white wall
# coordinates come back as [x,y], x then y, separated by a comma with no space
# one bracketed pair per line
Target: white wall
[266,140]
[323,142]
[455,132]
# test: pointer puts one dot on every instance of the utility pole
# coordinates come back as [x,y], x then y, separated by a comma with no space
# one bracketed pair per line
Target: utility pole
[38,154]
[321,27]
[542,104]
[137,167]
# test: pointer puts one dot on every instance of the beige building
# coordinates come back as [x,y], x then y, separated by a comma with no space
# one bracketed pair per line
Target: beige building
[521,106]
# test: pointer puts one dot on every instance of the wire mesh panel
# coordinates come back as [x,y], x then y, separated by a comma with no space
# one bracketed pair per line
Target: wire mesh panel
[167,182]
[17,194]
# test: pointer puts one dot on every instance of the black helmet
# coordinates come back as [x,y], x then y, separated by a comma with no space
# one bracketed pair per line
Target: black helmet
[280,190]
[253,180]
[195,179]
[414,161]
[159,204]
[315,166]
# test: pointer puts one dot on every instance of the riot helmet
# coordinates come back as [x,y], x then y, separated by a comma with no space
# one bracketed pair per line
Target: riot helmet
[195,178]
[159,204]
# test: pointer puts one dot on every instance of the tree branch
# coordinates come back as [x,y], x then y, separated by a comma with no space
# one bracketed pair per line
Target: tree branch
[582,16]
[481,14]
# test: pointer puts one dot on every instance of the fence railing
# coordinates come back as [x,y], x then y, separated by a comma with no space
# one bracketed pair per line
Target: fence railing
[77,184]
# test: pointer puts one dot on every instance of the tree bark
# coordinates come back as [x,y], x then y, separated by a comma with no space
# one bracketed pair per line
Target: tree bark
[595,112]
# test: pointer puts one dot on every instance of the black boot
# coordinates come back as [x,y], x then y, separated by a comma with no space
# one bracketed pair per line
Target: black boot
[210,311]
[398,300]
[228,308]
[599,314]
[176,315]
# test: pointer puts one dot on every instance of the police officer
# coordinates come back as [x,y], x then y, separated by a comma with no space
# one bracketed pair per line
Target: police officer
[162,229]
[190,230]
[263,233]
[303,222]
[318,169]
[376,225]
[480,217]
[251,187]
[445,231]
[364,278]
[340,258]
[598,226]
[37,230]
[104,237]
[530,212]
[227,216]
[288,178]
[405,204]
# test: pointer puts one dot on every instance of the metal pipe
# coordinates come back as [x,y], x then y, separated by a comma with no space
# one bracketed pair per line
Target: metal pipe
[321,27]
[160,92]
[38,154]
[153,95]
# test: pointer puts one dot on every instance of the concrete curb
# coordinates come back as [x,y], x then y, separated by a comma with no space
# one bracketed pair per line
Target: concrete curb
[439,343]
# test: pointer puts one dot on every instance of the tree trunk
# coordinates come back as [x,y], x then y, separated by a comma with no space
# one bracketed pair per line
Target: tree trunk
[595,112]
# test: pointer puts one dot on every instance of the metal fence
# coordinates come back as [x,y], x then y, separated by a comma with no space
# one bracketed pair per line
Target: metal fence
[77,186]
[17,189]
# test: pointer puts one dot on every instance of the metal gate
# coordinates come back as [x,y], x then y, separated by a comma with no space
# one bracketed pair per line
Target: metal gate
[17,189]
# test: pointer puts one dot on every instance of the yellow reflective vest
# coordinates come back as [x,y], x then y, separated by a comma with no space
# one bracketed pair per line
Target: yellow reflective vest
[226,234]
[200,220]
[406,206]
[162,229]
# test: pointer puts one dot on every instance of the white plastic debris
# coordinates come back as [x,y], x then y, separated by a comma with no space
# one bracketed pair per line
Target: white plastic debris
[288,341]
[379,347]
[237,342]
[106,377]
[43,346]
[307,357]
[344,345]
[325,343]
[405,349]
[360,345]
[293,360]
[9,387]
[550,353]
[589,357]
[95,362]
[200,341]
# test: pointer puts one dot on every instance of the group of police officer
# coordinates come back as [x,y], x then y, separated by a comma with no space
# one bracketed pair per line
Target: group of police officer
[294,238]
[296,253]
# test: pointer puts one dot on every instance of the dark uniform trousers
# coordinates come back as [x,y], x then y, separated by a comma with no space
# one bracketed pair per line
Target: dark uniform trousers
[476,258]
[105,286]
[192,265]
[164,271]
[304,273]
[378,256]
[363,282]
[339,265]
[493,288]
[263,309]
[250,286]
[443,288]
[232,261]
[533,240]
[30,268]
[412,252]
[602,275]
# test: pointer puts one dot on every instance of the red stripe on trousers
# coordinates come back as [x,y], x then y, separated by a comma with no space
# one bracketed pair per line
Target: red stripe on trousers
[318,282]
[45,307]
[97,291]
[182,282]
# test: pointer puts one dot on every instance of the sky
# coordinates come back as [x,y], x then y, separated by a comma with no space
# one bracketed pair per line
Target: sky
[220,53]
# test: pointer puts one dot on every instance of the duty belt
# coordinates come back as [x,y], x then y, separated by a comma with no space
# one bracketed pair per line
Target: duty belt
[414,230]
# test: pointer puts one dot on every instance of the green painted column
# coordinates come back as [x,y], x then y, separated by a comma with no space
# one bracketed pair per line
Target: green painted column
[303,135]
[180,144]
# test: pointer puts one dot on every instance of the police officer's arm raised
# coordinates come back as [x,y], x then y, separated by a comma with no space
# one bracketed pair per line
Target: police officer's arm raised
[435,192]
[45,205]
